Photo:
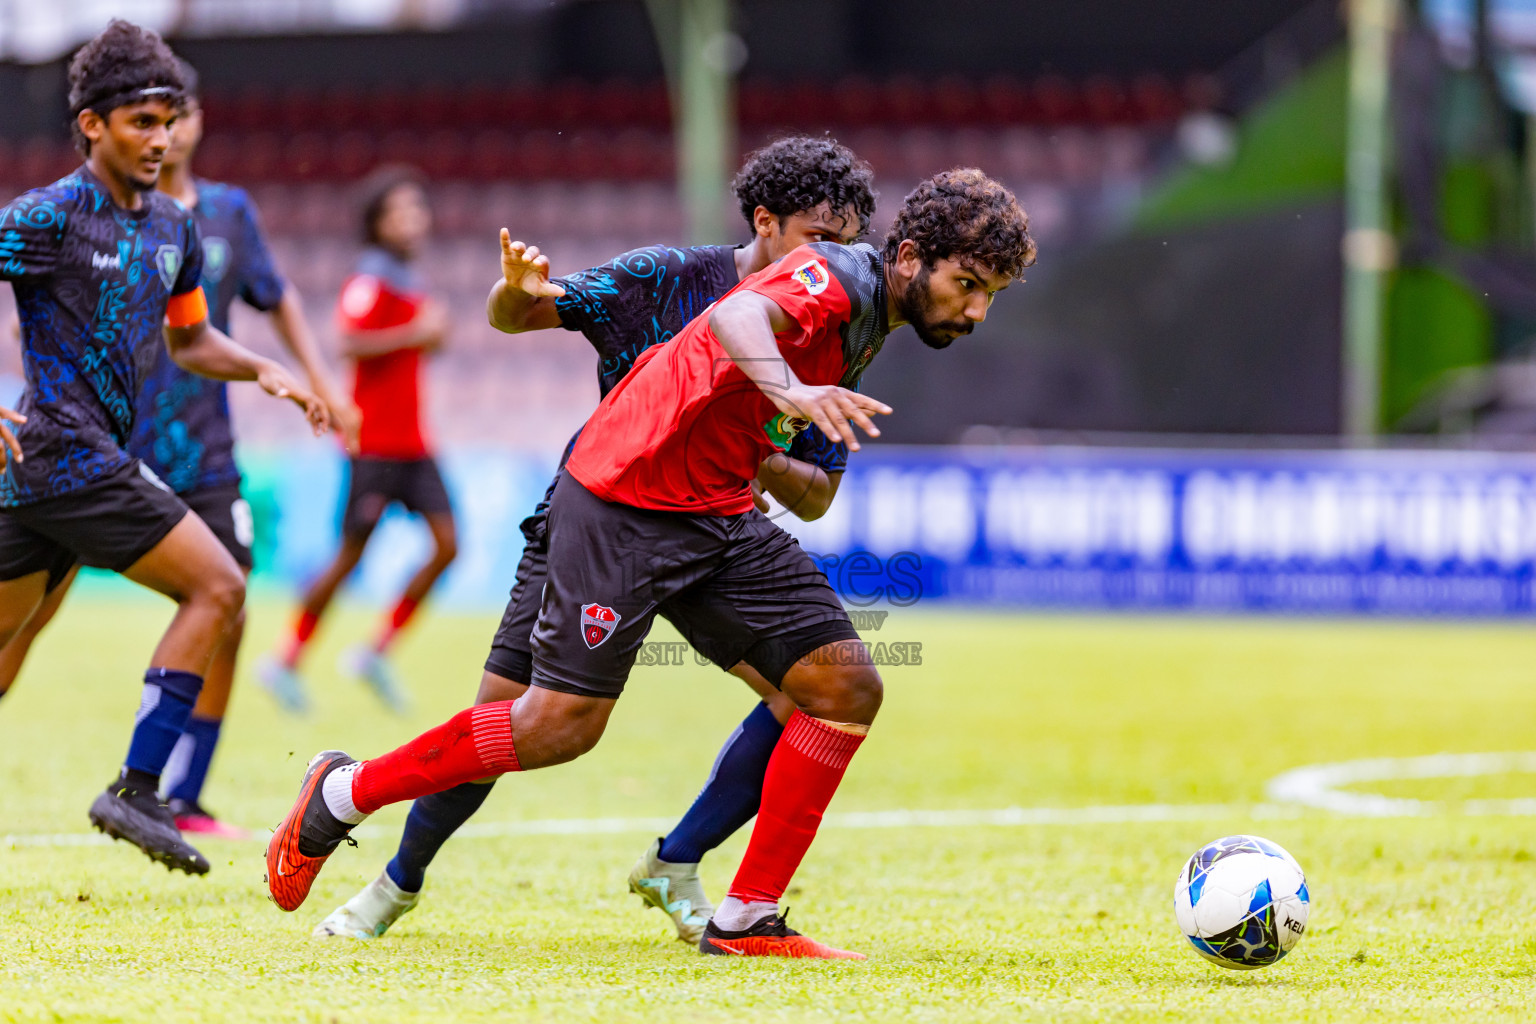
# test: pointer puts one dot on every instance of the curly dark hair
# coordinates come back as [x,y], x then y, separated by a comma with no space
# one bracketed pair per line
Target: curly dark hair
[374,191]
[109,71]
[800,172]
[967,215]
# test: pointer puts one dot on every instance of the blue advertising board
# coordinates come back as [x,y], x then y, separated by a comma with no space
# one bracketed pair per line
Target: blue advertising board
[1398,532]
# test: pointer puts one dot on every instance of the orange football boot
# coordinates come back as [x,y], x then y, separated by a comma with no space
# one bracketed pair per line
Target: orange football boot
[769,937]
[291,872]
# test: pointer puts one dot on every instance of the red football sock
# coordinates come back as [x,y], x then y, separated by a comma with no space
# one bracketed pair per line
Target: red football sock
[303,629]
[396,622]
[803,773]
[469,746]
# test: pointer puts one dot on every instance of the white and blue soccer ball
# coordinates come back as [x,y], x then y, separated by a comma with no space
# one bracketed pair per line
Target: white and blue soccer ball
[1242,902]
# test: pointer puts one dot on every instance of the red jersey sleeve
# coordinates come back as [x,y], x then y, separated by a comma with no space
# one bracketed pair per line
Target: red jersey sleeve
[368,303]
[804,287]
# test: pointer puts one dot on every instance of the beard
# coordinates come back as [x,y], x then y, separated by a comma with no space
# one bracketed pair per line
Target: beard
[917,309]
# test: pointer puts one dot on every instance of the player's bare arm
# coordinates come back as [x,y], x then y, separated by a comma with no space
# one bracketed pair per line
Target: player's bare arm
[524,298]
[805,489]
[293,330]
[202,349]
[426,330]
[745,324]
[12,449]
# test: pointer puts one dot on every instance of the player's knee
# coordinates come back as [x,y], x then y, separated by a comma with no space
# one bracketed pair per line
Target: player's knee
[835,688]
[551,728]
[447,550]
[861,692]
[224,591]
[567,737]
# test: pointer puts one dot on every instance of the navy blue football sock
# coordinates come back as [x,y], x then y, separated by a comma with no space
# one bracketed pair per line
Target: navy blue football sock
[192,755]
[432,820]
[730,797]
[163,713]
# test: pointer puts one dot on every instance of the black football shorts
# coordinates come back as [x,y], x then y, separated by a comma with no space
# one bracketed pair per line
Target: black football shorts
[109,524]
[228,515]
[511,655]
[376,483]
[737,587]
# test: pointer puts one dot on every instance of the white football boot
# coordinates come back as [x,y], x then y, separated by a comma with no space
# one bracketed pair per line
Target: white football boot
[675,890]
[370,913]
[376,672]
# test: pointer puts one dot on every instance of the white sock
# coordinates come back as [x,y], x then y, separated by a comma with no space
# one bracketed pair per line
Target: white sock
[337,790]
[732,915]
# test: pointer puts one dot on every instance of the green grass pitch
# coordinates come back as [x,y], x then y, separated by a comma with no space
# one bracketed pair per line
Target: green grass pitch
[1424,919]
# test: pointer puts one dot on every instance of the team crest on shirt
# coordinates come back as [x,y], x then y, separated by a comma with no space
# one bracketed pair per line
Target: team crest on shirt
[215,258]
[598,623]
[168,262]
[783,429]
[812,274]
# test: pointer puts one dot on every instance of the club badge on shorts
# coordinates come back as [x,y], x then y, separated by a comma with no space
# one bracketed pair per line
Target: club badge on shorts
[597,623]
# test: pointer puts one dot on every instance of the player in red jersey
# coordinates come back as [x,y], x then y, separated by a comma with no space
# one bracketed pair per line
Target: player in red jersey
[656,507]
[388,324]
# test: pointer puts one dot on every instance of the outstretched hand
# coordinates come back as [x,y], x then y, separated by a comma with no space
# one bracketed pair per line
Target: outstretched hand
[12,448]
[523,267]
[276,381]
[833,409]
[348,421]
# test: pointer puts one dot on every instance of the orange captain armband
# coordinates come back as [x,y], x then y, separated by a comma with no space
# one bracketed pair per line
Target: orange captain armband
[186,309]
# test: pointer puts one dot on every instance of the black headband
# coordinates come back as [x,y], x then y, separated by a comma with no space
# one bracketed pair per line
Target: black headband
[107,104]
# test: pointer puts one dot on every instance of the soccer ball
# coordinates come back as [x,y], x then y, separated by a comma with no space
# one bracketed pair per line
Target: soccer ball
[1242,902]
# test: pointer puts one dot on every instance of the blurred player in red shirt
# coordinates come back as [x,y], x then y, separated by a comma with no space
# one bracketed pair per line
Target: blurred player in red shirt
[388,324]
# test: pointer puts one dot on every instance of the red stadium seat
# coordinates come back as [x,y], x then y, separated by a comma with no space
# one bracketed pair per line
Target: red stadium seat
[353,154]
[1056,99]
[218,155]
[1006,101]
[1155,99]
[906,101]
[400,147]
[260,158]
[254,109]
[762,104]
[344,108]
[539,155]
[492,156]
[443,155]
[434,107]
[855,101]
[307,156]
[654,106]
[569,105]
[956,101]
[1105,101]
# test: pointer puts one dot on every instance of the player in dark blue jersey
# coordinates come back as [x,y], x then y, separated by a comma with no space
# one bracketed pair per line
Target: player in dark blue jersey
[106,272]
[792,192]
[183,433]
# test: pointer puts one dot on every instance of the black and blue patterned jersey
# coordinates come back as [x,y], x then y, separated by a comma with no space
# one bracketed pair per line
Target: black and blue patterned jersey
[643,298]
[92,282]
[183,430]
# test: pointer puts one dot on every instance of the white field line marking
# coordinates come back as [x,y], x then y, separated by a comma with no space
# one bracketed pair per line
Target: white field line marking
[1317,785]
[1290,793]
[1005,817]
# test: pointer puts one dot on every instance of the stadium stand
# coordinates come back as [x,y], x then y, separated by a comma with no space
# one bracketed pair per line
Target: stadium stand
[585,170]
